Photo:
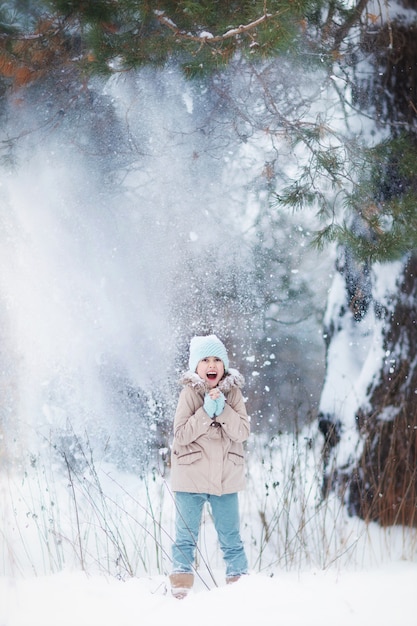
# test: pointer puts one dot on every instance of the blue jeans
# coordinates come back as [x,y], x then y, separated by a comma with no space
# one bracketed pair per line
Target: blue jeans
[225,510]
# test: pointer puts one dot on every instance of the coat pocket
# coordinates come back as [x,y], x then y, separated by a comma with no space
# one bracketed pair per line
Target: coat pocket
[187,458]
[237,459]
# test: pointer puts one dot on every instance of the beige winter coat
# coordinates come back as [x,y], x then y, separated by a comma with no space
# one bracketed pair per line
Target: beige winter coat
[207,458]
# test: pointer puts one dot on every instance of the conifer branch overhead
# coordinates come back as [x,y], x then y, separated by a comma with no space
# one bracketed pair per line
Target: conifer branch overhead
[233,32]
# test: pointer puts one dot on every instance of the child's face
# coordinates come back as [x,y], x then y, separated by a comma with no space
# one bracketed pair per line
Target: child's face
[211,370]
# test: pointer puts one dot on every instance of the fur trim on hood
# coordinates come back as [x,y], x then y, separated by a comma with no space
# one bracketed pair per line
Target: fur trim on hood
[233,378]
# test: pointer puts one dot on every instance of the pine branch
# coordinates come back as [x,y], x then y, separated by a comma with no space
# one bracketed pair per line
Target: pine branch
[208,38]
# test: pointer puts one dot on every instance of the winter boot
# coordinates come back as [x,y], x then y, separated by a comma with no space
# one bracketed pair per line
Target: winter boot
[181,583]
[232,579]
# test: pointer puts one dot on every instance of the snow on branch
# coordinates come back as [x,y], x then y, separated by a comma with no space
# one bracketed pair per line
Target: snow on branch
[353,17]
[233,32]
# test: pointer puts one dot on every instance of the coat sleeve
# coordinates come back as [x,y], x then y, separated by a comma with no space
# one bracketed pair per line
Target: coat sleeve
[190,421]
[234,418]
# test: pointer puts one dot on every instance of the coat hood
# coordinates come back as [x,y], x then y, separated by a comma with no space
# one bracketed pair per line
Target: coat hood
[233,378]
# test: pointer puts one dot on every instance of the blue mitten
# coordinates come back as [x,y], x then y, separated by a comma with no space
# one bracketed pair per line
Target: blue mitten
[220,402]
[210,406]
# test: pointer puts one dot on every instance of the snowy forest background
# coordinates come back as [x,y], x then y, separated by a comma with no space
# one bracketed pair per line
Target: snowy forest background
[142,208]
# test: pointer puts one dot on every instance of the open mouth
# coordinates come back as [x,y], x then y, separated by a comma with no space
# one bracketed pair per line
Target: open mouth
[212,375]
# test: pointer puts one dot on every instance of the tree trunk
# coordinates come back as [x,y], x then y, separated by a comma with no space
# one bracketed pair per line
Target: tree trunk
[371,448]
[368,409]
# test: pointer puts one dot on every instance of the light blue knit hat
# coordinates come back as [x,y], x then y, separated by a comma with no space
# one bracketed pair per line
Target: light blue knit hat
[202,347]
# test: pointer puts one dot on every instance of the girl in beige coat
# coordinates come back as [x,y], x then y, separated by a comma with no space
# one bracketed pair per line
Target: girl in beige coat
[207,461]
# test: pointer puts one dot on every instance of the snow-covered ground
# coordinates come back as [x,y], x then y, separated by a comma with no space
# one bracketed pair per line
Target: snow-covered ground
[92,548]
[384,596]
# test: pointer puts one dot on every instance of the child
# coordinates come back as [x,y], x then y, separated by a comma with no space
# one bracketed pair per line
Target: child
[207,461]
